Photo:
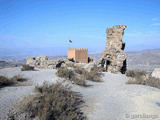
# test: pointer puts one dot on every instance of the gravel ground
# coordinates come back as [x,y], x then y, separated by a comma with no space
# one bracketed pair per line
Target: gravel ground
[115,100]
[108,100]
[9,96]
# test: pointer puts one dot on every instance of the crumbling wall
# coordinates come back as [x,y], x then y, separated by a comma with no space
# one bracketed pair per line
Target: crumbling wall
[113,57]
[44,63]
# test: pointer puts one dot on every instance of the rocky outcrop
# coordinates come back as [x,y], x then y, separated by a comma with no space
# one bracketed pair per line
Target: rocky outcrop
[45,63]
[156,73]
[113,57]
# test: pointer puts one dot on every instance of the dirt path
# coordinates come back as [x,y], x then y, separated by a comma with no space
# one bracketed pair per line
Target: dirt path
[114,100]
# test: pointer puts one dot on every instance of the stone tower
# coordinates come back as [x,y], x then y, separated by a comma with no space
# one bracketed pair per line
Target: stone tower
[113,57]
[78,54]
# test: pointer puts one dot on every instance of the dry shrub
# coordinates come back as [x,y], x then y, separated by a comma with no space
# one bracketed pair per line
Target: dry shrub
[27,68]
[70,64]
[18,78]
[136,77]
[96,68]
[94,74]
[54,102]
[153,82]
[139,80]
[69,74]
[79,70]
[141,77]
[135,73]
[64,72]
[78,74]
[79,81]
[4,81]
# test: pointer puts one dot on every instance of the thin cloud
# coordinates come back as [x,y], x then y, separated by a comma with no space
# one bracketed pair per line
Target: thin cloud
[155,24]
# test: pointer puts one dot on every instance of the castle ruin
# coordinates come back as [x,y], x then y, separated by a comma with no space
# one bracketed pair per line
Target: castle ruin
[78,54]
[113,57]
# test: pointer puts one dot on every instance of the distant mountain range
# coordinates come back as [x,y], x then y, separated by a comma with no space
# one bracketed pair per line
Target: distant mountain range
[144,59]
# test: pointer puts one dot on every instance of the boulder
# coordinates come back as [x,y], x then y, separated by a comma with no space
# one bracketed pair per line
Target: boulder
[156,73]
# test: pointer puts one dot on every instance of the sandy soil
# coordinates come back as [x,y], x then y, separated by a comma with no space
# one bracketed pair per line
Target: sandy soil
[108,100]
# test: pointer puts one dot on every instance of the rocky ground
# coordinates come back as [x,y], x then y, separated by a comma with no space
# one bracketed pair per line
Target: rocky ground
[111,99]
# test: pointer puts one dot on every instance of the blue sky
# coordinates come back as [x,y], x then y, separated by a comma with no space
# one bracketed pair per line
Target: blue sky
[47,25]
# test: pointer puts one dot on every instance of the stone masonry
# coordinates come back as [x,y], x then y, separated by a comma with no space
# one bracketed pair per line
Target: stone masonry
[113,57]
[45,63]
[78,54]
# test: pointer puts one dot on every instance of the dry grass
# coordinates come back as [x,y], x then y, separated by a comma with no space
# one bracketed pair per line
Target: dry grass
[78,74]
[4,81]
[94,74]
[79,70]
[53,102]
[64,72]
[141,77]
[70,64]
[96,68]
[135,73]
[18,78]
[153,82]
[27,68]
[69,74]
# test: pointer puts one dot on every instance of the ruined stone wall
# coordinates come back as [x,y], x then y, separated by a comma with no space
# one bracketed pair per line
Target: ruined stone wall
[113,57]
[44,63]
[78,54]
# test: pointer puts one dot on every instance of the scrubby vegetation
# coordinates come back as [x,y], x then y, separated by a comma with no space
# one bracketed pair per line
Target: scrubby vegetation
[69,74]
[94,74]
[141,77]
[4,81]
[27,68]
[53,102]
[135,73]
[78,75]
